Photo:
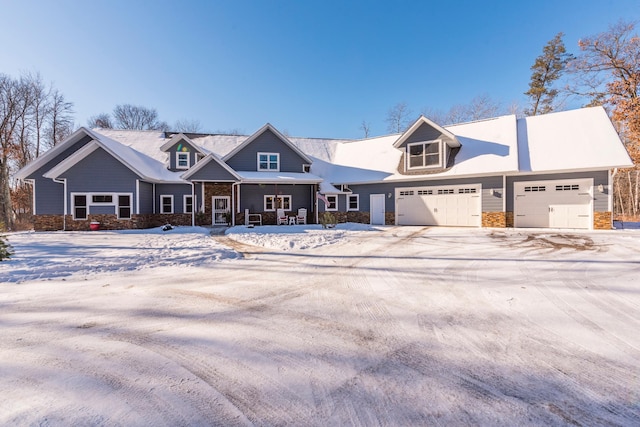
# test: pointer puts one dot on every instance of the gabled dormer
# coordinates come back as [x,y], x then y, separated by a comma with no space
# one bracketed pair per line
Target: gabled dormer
[268,150]
[427,147]
[182,152]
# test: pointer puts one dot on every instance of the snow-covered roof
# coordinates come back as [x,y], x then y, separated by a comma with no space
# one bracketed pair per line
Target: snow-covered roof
[574,140]
[583,139]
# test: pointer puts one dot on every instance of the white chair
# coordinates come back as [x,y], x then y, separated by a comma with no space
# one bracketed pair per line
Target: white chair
[301,218]
[281,217]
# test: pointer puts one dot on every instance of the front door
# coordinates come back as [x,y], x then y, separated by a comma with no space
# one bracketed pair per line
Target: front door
[221,208]
[376,208]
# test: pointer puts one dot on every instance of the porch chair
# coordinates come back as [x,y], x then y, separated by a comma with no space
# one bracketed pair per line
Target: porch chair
[301,218]
[281,217]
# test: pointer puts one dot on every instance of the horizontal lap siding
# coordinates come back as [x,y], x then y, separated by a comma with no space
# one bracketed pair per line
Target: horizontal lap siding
[212,171]
[247,160]
[174,149]
[175,190]
[146,198]
[252,196]
[490,203]
[49,195]
[600,202]
[99,172]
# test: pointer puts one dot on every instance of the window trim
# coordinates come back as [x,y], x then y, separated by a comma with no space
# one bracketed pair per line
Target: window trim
[274,206]
[440,145]
[268,169]
[162,196]
[184,203]
[118,206]
[89,202]
[357,199]
[181,153]
[327,206]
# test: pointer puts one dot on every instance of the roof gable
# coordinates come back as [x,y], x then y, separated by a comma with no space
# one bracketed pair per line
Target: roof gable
[182,143]
[255,137]
[211,169]
[424,129]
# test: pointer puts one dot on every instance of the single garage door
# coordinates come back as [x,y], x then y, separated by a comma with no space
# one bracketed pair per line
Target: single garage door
[555,204]
[450,205]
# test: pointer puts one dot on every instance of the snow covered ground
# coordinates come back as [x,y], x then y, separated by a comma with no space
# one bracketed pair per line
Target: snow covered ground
[295,325]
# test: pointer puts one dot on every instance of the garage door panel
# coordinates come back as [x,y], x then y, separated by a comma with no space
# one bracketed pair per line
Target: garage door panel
[453,206]
[554,203]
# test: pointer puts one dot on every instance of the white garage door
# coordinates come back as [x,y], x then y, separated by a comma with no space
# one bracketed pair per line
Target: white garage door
[555,204]
[450,205]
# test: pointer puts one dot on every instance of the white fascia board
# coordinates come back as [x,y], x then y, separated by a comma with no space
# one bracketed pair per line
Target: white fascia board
[52,153]
[205,161]
[71,161]
[259,132]
[175,138]
[454,142]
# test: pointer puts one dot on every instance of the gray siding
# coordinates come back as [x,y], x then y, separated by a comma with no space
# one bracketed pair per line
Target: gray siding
[423,133]
[174,149]
[100,172]
[213,172]
[267,142]
[49,195]
[600,201]
[490,203]
[252,196]
[177,190]
[146,198]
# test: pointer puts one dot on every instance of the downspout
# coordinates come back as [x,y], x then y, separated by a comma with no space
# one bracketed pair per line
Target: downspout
[154,197]
[63,181]
[193,204]
[612,175]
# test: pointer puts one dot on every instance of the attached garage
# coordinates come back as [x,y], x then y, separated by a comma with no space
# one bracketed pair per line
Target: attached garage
[554,203]
[443,205]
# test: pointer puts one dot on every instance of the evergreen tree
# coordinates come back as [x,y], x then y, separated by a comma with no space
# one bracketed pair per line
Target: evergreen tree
[547,68]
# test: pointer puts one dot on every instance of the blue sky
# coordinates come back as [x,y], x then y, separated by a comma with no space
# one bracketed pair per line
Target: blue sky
[311,68]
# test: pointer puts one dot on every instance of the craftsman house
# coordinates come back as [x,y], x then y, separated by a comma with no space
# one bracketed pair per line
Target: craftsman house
[553,170]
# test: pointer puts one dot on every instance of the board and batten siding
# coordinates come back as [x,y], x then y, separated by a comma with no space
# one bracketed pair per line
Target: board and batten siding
[600,200]
[100,172]
[247,158]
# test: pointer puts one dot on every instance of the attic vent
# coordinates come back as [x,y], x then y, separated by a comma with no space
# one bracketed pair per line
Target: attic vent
[306,168]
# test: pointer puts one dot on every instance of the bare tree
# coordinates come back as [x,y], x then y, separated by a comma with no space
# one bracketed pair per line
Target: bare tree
[127,116]
[479,108]
[60,123]
[185,125]
[398,118]
[102,121]
[365,127]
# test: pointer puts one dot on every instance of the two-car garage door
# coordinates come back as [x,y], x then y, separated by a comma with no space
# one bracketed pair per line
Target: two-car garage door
[450,205]
[555,204]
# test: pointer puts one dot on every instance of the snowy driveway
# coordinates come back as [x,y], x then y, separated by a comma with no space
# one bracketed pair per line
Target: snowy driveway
[391,326]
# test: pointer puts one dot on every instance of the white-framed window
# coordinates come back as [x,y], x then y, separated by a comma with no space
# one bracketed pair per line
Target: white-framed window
[124,206]
[80,208]
[182,160]
[271,202]
[269,162]
[166,204]
[426,154]
[353,202]
[333,202]
[81,204]
[187,203]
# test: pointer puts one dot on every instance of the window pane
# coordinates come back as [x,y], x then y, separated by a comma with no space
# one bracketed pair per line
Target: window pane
[432,148]
[102,198]
[416,150]
[124,201]
[188,204]
[124,212]
[415,162]
[432,160]
[81,213]
[80,200]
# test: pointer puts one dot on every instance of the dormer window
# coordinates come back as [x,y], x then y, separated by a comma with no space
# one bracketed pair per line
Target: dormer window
[421,155]
[182,160]
[269,162]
